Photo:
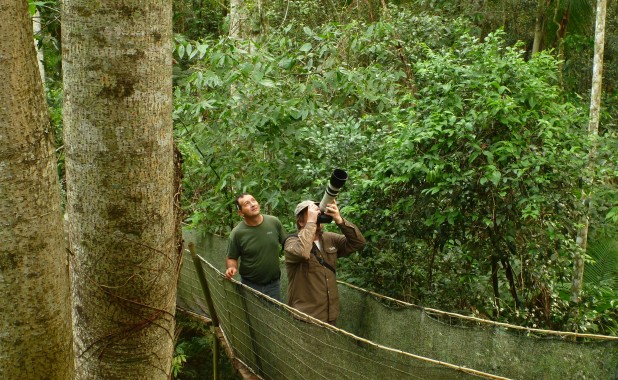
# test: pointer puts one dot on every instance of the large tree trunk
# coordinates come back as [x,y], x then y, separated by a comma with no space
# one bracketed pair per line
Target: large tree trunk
[117,69]
[593,131]
[35,328]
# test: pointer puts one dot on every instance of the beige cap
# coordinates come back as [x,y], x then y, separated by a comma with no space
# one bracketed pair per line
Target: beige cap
[301,206]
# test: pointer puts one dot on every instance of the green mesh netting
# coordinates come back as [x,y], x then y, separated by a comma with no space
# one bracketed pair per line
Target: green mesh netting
[378,337]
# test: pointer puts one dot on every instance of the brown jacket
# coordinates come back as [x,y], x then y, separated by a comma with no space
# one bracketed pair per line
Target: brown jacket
[312,287]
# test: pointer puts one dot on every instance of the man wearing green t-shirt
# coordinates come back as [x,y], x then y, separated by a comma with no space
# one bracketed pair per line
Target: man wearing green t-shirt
[256,241]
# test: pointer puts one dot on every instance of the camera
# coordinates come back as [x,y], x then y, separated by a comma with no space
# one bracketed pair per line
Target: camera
[337,180]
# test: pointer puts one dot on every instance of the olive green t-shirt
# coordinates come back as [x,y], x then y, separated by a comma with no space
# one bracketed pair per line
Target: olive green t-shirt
[258,249]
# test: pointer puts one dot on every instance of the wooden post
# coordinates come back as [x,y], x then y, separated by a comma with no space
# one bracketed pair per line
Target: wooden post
[211,309]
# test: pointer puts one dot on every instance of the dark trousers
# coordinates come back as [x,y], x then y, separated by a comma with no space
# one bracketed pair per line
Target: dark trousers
[272,290]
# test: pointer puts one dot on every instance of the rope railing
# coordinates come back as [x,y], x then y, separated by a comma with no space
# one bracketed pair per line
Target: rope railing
[381,337]
[278,342]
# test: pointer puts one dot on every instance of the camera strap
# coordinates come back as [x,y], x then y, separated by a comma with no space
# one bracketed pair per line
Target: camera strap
[316,251]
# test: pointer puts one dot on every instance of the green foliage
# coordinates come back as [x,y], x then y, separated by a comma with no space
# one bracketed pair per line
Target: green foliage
[178,361]
[603,270]
[604,210]
[195,18]
[193,356]
[54,103]
[480,171]
[464,158]
[33,5]
[279,14]
[575,16]
[597,312]
[48,40]
[612,215]
[275,117]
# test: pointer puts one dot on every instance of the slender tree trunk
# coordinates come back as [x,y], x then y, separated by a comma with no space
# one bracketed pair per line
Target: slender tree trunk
[117,69]
[539,26]
[494,282]
[239,19]
[246,21]
[36,25]
[597,69]
[432,259]
[593,131]
[506,264]
[560,35]
[35,328]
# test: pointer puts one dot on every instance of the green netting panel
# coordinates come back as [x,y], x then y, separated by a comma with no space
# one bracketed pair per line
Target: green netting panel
[485,346]
[383,338]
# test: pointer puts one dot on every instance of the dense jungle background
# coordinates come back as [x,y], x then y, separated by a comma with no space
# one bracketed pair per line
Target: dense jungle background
[463,126]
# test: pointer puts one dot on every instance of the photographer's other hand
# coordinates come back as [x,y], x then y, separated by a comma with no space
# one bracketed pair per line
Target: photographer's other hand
[333,210]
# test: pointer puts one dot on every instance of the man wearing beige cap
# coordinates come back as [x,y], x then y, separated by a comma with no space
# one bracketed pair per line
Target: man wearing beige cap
[311,260]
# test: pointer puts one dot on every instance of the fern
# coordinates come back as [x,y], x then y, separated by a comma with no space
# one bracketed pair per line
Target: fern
[603,271]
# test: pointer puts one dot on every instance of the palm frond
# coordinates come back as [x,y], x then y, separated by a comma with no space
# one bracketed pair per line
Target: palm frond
[603,271]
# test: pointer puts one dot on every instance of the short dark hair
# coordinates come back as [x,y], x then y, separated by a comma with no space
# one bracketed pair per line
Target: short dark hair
[236,200]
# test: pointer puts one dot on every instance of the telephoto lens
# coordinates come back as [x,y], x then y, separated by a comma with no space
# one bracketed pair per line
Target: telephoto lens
[337,180]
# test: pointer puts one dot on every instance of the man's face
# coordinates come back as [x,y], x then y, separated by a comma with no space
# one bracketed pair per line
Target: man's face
[248,206]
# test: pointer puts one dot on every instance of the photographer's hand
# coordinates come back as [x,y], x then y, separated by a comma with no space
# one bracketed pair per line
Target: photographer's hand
[333,210]
[312,213]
